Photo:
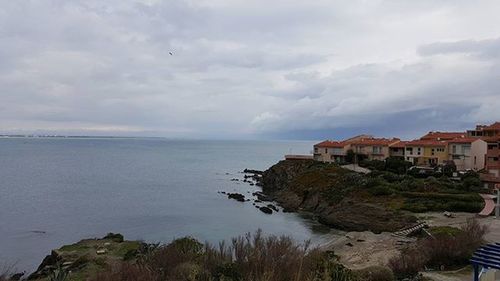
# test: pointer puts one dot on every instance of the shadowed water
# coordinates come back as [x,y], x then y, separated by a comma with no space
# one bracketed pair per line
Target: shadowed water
[58,191]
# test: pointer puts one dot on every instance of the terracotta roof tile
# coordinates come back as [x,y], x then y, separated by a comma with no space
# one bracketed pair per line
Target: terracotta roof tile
[463,140]
[375,141]
[426,143]
[443,135]
[399,144]
[329,143]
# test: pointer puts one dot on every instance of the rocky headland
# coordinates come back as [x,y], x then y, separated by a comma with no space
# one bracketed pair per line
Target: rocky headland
[379,201]
[333,194]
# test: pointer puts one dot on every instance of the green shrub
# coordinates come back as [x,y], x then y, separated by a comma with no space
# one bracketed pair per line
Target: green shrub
[115,237]
[381,190]
[375,273]
[397,165]
[472,184]
[445,230]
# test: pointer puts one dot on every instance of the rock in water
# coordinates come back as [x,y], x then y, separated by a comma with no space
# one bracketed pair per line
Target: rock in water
[236,196]
[266,210]
[274,208]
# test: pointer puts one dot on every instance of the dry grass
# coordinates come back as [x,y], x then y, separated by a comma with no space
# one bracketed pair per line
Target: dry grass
[250,257]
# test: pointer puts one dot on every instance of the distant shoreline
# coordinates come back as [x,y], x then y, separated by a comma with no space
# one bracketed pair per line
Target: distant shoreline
[72,137]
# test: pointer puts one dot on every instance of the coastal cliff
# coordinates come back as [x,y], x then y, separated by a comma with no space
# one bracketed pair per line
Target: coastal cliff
[333,194]
[351,201]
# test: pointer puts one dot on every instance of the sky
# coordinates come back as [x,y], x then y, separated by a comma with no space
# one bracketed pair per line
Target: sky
[253,69]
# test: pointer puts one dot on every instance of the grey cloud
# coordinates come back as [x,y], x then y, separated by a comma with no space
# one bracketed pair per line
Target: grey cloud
[243,69]
[489,48]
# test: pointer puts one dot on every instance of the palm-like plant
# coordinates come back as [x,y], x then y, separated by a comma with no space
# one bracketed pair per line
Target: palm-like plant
[59,274]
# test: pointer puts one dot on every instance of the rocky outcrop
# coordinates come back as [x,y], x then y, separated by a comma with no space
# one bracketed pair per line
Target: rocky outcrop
[87,255]
[362,217]
[330,193]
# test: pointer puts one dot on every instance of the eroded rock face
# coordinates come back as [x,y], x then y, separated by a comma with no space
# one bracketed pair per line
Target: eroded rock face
[360,217]
[48,264]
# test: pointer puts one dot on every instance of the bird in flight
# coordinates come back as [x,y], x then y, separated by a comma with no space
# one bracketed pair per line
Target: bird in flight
[171,53]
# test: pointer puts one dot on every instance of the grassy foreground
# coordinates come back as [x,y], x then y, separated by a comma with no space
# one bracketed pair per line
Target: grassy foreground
[253,257]
[250,257]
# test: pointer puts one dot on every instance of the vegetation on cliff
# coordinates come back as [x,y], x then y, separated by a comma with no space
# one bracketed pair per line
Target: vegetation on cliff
[379,201]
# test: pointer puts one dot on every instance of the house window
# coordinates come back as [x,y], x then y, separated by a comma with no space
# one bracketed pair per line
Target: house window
[454,149]
[466,149]
[316,150]
[337,151]
[475,160]
[326,150]
[377,150]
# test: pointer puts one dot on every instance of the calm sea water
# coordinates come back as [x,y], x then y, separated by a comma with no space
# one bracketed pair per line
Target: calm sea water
[58,191]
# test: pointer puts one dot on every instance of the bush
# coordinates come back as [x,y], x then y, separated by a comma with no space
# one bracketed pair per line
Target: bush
[250,257]
[397,165]
[115,237]
[455,250]
[377,165]
[448,249]
[408,263]
[375,273]
[127,272]
[381,190]
[472,184]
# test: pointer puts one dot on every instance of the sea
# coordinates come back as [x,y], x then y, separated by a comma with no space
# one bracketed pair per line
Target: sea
[56,191]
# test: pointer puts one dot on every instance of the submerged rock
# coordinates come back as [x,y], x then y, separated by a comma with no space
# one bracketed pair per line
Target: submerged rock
[266,210]
[236,196]
[255,172]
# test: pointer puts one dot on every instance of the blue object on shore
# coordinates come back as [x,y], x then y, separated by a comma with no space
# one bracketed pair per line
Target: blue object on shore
[487,257]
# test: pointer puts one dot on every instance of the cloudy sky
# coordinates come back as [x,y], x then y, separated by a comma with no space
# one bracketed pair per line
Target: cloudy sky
[248,69]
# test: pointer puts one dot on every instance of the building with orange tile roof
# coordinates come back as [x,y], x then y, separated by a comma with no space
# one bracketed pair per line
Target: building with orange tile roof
[492,130]
[472,150]
[373,148]
[397,149]
[443,136]
[334,151]
[329,151]
[426,152]
[491,135]
[467,153]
